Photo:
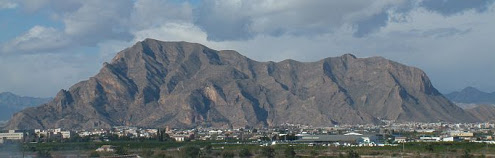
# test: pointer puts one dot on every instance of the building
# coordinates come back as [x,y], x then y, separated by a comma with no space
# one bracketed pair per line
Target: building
[12,135]
[105,148]
[400,139]
[179,138]
[429,139]
[461,134]
[65,134]
[352,139]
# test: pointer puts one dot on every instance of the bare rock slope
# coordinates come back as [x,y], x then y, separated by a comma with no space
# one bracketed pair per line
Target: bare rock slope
[180,84]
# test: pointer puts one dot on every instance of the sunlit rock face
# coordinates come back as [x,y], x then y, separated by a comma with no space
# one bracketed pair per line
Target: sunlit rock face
[180,84]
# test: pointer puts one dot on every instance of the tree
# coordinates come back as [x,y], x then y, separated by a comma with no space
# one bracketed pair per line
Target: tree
[353,154]
[44,154]
[466,154]
[190,152]
[228,154]
[429,148]
[268,152]
[245,153]
[289,152]
[121,151]
[208,149]
[314,153]
[94,154]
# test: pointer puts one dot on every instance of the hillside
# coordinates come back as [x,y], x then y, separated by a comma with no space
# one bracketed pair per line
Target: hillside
[180,84]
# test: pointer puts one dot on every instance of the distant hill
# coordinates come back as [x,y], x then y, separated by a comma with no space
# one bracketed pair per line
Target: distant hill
[471,95]
[483,112]
[181,84]
[11,103]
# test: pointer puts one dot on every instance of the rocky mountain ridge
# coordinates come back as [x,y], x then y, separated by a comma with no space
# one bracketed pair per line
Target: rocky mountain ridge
[181,84]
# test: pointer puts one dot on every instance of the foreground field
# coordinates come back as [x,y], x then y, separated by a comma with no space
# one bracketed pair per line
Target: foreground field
[232,149]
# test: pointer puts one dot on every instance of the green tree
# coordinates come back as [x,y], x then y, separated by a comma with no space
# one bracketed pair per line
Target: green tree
[190,152]
[44,154]
[208,149]
[429,148]
[121,151]
[94,154]
[314,153]
[353,154]
[467,154]
[268,152]
[228,154]
[245,153]
[289,152]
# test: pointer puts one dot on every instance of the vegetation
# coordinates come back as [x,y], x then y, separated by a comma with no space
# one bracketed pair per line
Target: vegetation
[244,152]
[190,152]
[268,152]
[289,152]
[155,148]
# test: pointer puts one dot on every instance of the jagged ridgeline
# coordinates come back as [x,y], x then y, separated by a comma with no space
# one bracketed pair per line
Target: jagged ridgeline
[180,84]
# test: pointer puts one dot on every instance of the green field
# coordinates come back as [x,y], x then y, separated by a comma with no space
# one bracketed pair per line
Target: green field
[219,149]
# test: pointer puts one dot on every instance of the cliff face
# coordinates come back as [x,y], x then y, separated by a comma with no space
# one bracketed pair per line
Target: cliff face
[179,84]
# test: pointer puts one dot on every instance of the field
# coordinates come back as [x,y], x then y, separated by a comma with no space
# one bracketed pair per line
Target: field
[221,149]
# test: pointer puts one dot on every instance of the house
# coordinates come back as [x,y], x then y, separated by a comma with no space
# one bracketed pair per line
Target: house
[12,135]
[105,148]
[349,139]
[461,134]
[400,139]
[65,134]
[179,138]
[429,139]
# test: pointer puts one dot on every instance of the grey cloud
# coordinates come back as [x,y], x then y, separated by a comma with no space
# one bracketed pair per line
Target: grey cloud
[444,32]
[242,20]
[370,25]
[450,7]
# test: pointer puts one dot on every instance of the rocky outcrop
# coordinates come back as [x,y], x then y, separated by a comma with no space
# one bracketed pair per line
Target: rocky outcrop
[180,84]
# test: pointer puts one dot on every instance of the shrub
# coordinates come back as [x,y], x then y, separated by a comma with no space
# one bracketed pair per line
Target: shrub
[245,153]
[268,152]
[289,152]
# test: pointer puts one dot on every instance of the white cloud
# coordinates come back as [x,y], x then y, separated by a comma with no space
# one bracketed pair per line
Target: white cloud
[39,39]
[403,30]
[7,4]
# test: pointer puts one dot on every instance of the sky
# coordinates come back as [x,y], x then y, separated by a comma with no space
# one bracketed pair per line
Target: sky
[48,45]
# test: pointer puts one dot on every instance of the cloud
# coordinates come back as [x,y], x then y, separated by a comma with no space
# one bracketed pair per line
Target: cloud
[38,39]
[241,20]
[419,33]
[7,4]
[450,7]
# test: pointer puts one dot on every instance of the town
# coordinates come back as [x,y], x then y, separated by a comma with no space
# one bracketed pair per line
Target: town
[390,133]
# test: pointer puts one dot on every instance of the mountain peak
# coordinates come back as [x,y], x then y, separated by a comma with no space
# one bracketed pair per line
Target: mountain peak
[181,84]
[349,56]
[470,89]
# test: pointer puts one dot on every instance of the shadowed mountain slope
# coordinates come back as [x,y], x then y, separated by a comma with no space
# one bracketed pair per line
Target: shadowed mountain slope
[180,84]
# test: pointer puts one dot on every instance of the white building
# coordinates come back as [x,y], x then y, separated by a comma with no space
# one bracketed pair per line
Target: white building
[105,148]
[65,134]
[12,135]
[179,138]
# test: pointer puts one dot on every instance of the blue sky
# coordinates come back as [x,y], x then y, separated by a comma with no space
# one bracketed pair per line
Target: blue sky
[48,45]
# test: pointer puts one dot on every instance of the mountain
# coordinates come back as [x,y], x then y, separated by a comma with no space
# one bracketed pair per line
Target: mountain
[485,113]
[180,84]
[11,103]
[471,95]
